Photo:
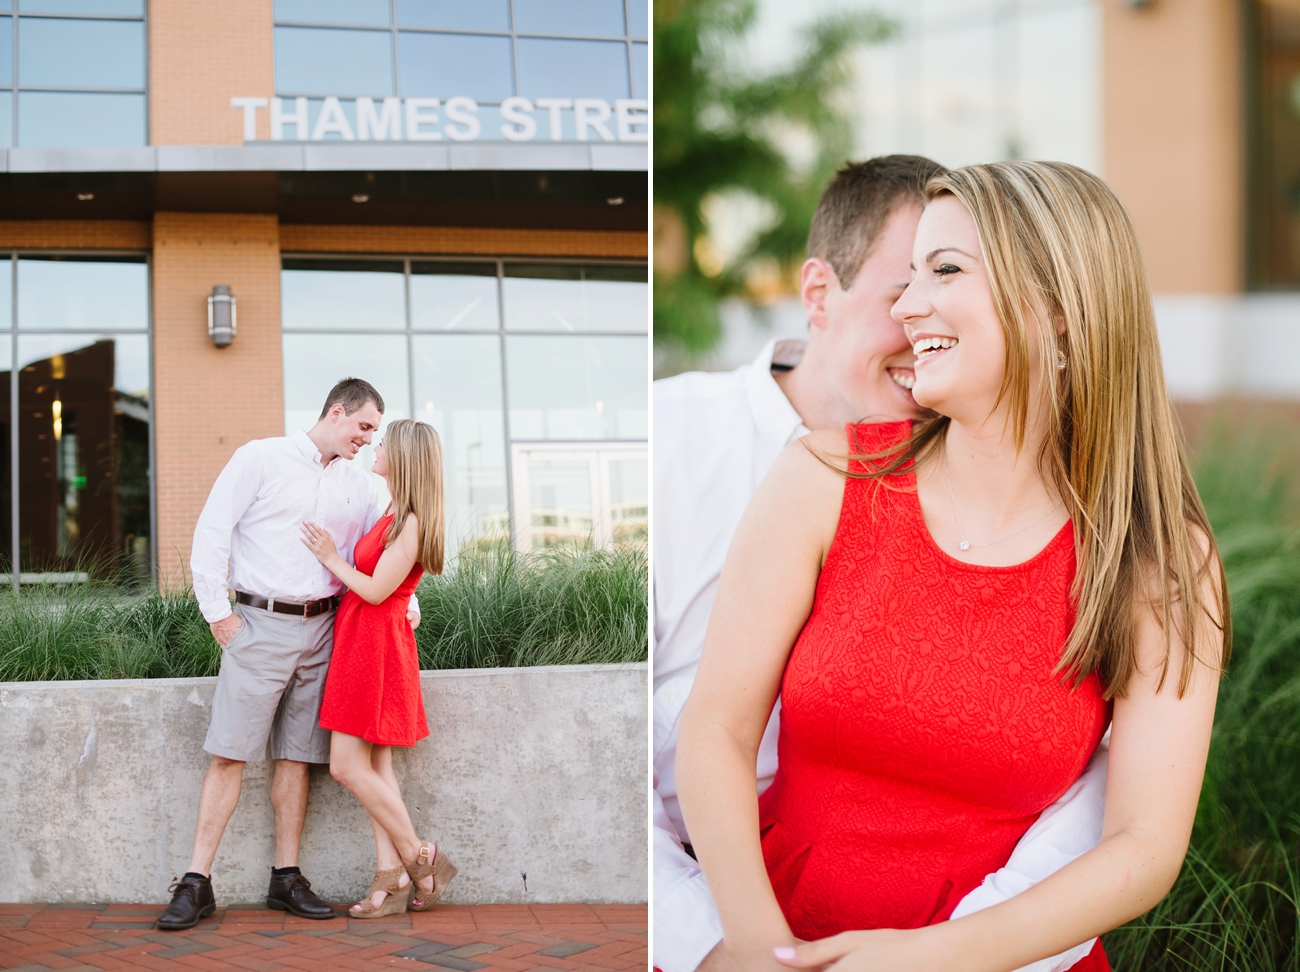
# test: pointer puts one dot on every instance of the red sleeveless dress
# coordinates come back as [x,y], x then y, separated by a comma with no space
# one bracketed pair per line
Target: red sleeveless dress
[373,686]
[923,726]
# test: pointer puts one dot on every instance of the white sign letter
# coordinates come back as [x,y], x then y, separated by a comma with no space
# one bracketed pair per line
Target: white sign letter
[518,113]
[298,119]
[382,127]
[464,111]
[583,121]
[419,111]
[332,119]
[553,105]
[632,119]
[250,106]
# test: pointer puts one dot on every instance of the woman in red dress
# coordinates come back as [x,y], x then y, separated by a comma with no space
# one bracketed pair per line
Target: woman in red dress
[952,625]
[372,696]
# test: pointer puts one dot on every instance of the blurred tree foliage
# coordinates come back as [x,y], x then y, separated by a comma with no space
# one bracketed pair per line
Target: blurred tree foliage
[719,128]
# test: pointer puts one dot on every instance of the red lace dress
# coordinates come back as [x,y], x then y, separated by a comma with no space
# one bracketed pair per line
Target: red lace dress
[373,686]
[923,727]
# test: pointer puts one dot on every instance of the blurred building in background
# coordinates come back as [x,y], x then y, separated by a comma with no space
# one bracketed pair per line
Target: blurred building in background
[1190,109]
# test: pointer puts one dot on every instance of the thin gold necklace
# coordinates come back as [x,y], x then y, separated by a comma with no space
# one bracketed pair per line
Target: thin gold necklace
[965,544]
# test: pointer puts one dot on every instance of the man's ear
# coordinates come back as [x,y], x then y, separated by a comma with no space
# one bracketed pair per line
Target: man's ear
[816,280]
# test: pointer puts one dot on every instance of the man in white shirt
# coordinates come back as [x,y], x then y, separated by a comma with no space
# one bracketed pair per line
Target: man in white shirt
[277,640]
[715,437]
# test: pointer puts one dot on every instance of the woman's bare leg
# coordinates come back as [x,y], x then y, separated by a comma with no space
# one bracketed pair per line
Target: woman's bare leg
[383,764]
[351,764]
[386,856]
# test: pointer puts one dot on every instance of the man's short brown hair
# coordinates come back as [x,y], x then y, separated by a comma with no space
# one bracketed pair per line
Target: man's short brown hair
[858,202]
[353,393]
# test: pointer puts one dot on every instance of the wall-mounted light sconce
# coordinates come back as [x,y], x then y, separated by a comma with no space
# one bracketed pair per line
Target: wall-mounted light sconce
[221,316]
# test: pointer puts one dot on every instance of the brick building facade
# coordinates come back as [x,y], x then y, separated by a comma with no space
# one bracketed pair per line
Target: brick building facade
[560,224]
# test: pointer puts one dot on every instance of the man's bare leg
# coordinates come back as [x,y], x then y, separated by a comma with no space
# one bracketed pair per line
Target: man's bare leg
[289,801]
[217,801]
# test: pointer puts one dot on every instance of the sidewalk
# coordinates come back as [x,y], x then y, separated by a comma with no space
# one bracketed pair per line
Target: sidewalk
[498,938]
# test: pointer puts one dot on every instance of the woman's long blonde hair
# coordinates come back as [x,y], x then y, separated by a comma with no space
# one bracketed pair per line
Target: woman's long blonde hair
[1061,252]
[414,454]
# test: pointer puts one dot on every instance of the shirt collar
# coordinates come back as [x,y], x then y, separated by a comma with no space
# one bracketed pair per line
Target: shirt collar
[778,423]
[303,441]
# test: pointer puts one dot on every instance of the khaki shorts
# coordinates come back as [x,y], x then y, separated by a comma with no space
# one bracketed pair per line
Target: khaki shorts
[270,687]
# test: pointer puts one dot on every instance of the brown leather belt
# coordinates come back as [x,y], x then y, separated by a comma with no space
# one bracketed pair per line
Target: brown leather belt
[307,609]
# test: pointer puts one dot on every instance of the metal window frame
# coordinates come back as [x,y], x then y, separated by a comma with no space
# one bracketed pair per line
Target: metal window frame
[15,89]
[501,331]
[15,331]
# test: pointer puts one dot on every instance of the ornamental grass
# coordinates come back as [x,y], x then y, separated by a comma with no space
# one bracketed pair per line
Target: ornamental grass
[1234,905]
[491,608]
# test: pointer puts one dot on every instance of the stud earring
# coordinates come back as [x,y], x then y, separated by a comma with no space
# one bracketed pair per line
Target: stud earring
[1060,360]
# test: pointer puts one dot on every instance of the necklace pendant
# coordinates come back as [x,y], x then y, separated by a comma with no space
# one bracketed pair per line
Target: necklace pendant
[964,545]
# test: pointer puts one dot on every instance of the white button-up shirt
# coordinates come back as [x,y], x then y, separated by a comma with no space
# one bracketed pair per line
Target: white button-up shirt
[249,534]
[715,437]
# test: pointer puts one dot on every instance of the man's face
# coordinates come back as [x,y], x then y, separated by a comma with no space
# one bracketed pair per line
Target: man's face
[351,432]
[868,357]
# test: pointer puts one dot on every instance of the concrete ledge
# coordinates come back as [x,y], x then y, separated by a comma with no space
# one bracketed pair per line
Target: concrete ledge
[534,779]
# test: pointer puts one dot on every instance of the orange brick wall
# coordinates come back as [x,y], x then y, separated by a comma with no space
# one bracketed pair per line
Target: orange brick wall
[1172,136]
[201,54]
[466,241]
[209,401]
[75,234]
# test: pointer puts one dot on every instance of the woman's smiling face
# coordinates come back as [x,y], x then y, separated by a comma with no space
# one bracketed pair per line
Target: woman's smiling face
[948,314]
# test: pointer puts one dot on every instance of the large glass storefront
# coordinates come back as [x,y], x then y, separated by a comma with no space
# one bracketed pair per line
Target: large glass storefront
[1273,218]
[534,375]
[75,427]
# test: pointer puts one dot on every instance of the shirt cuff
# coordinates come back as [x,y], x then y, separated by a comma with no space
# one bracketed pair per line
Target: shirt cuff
[686,925]
[214,611]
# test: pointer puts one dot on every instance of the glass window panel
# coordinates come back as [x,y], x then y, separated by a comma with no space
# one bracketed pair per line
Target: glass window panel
[6,119]
[6,299]
[80,53]
[455,14]
[342,296]
[577,387]
[50,119]
[603,18]
[80,294]
[572,69]
[334,11]
[574,299]
[6,482]
[6,53]
[448,65]
[314,363]
[629,499]
[559,502]
[346,63]
[640,74]
[83,454]
[638,19]
[454,297]
[91,8]
[458,392]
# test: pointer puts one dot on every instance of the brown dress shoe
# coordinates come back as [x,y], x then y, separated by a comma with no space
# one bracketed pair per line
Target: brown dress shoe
[192,899]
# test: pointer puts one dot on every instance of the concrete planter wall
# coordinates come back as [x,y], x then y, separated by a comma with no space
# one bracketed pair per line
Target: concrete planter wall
[534,779]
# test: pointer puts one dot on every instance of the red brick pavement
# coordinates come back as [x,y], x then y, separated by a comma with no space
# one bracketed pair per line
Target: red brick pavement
[496,938]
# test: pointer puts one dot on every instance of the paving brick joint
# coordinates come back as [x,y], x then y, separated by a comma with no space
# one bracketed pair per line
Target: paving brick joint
[498,938]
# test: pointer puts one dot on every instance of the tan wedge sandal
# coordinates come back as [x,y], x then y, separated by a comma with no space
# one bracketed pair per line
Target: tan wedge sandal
[394,904]
[431,861]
